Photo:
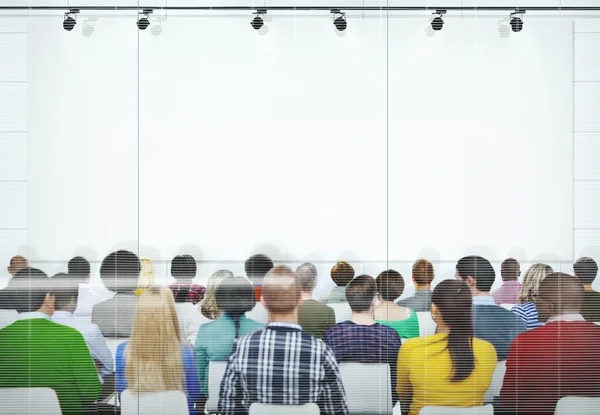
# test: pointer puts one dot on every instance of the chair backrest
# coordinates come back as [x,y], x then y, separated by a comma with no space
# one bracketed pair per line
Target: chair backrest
[497,378]
[7,317]
[577,405]
[29,401]
[154,403]
[216,370]
[368,387]
[507,306]
[457,410]
[267,409]
[182,310]
[113,343]
[342,311]
[83,319]
[426,324]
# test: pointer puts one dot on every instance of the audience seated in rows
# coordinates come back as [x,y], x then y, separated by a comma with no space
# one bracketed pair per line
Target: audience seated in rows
[558,359]
[586,270]
[452,367]
[66,290]
[183,269]
[361,339]
[491,322]
[156,358]
[510,271]
[36,352]
[422,276]
[206,310]
[16,264]
[341,274]
[146,276]
[531,281]
[79,269]
[119,272]
[234,297]
[256,267]
[313,316]
[262,369]
[390,286]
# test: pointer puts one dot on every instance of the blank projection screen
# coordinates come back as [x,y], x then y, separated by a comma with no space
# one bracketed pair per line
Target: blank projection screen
[284,139]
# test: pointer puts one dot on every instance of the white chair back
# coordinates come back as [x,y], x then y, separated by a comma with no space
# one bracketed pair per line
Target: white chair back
[427,326]
[216,370]
[497,378]
[182,310]
[154,403]
[342,311]
[577,405]
[7,317]
[368,387]
[83,319]
[267,409]
[29,401]
[507,306]
[457,410]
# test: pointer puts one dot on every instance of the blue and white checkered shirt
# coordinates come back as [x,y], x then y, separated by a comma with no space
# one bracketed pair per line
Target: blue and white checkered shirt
[282,365]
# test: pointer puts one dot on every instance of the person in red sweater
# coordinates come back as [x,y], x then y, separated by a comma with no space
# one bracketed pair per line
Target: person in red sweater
[559,359]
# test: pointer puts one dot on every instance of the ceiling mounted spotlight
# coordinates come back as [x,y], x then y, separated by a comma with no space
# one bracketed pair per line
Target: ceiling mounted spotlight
[70,19]
[516,21]
[339,22]
[258,22]
[144,21]
[438,22]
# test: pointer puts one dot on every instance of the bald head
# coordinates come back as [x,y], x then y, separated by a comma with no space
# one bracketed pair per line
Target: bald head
[559,294]
[17,263]
[281,290]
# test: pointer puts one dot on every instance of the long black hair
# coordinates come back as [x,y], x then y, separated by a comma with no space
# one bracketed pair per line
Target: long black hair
[455,304]
[235,296]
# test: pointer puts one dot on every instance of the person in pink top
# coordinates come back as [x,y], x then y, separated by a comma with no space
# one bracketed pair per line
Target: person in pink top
[507,293]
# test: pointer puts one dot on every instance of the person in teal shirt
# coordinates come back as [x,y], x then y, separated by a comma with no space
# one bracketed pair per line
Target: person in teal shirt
[38,353]
[215,340]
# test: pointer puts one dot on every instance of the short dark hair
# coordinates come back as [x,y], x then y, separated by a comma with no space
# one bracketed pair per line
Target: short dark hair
[342,273]
[28,289]
[360,292]
[390,285]
[586,270]
[510,269]
[183,267]
[235,296]
[480,269]
[65,289]
[79,267]
[257,266]
[120,271]
[422,272]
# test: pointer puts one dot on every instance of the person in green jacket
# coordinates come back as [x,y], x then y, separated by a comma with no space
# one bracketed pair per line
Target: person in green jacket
[235,296]
[36,352]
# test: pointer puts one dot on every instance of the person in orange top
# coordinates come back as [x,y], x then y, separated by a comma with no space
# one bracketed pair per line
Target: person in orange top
[452,367]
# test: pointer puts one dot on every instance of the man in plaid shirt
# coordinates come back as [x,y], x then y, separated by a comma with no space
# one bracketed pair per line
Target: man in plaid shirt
[281,364]
[183,269]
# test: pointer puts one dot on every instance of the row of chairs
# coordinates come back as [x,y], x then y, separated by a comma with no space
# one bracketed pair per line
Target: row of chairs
[36,401]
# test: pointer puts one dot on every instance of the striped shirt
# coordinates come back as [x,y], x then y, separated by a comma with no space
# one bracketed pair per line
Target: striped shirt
[528,314]
[282,365]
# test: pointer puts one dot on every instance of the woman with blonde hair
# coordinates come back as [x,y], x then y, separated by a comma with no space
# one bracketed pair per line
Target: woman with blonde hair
[146,276]
[156,358]
[528,293]
[206,310]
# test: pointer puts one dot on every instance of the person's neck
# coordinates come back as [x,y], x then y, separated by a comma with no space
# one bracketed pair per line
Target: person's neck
[442,328]
[477,293]
[386,304]
[424,287]
[508,280]
[306,296]
[364,318]
[284,317]
[46,310]
[587,287]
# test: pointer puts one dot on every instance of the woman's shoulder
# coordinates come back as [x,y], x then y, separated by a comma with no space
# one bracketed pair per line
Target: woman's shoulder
[484,347]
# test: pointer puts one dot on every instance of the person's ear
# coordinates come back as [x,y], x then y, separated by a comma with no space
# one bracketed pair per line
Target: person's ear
[8,269]
[434,312]
[50,301]
[263,302]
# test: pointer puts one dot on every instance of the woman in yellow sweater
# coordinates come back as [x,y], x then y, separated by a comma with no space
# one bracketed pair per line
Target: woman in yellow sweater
[450,368]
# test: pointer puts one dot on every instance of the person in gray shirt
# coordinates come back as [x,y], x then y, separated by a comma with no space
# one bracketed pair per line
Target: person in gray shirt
[422,276]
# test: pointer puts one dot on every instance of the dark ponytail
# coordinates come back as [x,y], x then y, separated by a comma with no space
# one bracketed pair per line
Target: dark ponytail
[234,297]
[455,304]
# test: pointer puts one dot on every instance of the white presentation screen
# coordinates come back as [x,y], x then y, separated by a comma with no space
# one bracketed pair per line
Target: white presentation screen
[303,140]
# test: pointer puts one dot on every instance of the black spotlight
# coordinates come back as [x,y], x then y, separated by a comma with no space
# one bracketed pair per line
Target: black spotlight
[70,21]
[144,21]
[257,22]
[437,23]
[516,24]
[339,22]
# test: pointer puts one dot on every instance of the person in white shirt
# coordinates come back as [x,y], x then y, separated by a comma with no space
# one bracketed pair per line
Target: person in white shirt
[66,291]
[79,268]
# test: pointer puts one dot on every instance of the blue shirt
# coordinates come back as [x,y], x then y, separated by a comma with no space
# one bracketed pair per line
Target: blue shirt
[529,314]
[496,325]
[189,367]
